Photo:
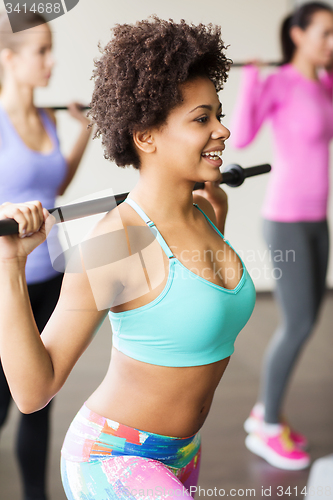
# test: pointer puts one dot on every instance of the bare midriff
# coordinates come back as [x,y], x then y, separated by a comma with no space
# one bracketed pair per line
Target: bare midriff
[172,401]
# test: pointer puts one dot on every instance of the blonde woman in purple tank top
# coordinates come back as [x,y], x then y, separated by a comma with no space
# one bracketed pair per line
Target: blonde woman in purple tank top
[32,167]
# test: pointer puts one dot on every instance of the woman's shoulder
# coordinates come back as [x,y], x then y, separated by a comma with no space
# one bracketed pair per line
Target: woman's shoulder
[103,253]
[51,114]
[115,220]
[112,230]
[282,75]
[121,216]
[279,82]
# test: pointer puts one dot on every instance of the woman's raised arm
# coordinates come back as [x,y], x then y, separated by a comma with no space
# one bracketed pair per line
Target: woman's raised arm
[37,367]
[255,101]
[74,158]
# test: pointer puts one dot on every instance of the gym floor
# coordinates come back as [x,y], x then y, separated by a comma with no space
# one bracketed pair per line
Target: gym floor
[226,463]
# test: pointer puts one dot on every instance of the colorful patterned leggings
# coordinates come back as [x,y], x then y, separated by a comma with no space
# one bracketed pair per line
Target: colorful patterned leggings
[104,460]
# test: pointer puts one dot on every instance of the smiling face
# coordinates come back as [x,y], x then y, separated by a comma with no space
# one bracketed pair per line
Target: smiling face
[191,141]
[316,41]
[32,64]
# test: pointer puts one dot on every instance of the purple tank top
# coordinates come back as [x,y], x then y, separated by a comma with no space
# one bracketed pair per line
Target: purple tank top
[27,175]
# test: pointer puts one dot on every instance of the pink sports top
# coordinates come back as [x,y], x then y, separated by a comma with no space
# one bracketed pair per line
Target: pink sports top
[301,114]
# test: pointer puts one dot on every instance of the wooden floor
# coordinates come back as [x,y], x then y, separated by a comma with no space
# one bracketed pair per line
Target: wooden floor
[226,463]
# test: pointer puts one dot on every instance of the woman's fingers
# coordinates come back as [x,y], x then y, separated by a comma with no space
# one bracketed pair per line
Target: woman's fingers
[9,211]
[255,62]
[33,212]
[29,216]
[77,111]
[34,217]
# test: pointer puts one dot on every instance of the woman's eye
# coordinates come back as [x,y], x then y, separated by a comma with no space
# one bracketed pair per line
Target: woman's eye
[202,119]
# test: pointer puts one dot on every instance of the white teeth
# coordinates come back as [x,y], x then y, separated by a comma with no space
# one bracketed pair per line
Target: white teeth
[213,154]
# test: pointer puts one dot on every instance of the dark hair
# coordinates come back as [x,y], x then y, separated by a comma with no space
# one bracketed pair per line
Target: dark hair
[302,17]
[138,75]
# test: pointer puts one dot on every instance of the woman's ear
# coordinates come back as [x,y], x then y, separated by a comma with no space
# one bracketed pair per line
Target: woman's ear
[296,34]
[144,141]
[5,55]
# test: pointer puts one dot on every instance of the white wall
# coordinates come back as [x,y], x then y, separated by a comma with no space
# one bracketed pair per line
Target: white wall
[250,27]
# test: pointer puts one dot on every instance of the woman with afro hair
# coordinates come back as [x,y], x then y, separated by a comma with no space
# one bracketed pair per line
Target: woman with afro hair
[176,292]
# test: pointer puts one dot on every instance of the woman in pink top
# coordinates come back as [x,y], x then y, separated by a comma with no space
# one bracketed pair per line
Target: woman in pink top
[297,99]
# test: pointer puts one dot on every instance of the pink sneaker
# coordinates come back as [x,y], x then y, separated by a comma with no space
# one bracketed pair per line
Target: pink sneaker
[279,450]
[254,421]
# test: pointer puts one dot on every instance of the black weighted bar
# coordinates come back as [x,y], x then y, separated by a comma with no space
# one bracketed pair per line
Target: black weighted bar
[233,65]
[268,63]
[65,108]
[233,175]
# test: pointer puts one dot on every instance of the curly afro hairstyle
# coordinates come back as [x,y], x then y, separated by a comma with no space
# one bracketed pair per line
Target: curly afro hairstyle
[138,77]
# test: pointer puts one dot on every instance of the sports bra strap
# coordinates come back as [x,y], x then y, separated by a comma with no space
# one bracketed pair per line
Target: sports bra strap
[210,222]
[151,226]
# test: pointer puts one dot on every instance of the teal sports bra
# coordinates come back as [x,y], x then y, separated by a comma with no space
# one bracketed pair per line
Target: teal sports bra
[192,322]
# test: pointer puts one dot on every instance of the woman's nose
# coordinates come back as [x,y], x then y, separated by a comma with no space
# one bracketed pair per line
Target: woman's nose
[221,132]
[50,61]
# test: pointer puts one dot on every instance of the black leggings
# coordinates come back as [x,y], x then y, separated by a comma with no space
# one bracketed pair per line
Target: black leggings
[33,432]
[300,256]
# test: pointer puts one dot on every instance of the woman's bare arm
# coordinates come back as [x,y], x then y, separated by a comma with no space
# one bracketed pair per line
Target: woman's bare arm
[75,156]
[37,366]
